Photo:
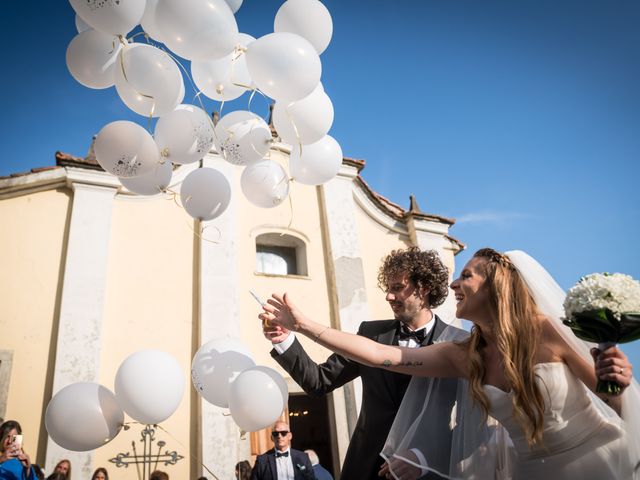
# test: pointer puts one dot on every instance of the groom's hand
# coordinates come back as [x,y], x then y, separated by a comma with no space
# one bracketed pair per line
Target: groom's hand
[274,333]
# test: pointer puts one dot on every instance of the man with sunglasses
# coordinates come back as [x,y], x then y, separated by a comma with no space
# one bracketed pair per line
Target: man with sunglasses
[282,462]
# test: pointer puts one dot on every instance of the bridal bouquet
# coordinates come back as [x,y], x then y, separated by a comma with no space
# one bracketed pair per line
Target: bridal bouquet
[605,309]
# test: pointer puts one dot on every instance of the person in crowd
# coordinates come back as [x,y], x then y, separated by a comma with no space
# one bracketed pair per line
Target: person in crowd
[57,476]
[415,283]
[282,462]
[320,472]
[63,467]
[522,367]
[159,475]
[243,470]
[100,474]
[15,464]
[38,470]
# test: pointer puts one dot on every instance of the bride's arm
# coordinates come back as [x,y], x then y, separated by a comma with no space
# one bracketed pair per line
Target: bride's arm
[439,360]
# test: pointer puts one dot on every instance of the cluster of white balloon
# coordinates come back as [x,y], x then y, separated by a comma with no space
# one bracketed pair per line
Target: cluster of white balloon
[284,65]
[149,386]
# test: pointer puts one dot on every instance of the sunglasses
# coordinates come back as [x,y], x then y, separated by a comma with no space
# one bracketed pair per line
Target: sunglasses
[281,434]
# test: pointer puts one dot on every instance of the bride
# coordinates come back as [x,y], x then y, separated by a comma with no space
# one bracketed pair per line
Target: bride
[531,381]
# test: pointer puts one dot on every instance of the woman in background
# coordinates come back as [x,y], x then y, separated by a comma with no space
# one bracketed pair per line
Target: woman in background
[14,462]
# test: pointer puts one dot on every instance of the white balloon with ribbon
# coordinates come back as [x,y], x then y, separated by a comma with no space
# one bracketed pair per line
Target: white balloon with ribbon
[205,193]
[149,385]
[305,121]
[184,135]
[216,365]
[242,137]
[150,183]
[148,21]
[265,183]
[284,66]
[225,78]
[115,18]
[197,29]
[318,163]
[81,25]
[148,80]
[257,398]
[234,5]
[309,19]
[91,58]
[125,149]
[83,416]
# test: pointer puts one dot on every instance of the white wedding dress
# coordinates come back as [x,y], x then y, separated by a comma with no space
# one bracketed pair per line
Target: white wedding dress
[577,441]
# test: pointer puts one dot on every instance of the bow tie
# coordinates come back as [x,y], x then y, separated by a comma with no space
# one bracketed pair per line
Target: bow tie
[418,335]
[282,454]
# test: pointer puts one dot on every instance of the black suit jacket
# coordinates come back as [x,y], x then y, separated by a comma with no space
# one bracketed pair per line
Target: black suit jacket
[382,393]
[265,467]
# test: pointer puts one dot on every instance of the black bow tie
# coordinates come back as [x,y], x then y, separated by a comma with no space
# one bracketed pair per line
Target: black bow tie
[418,335]
[282,454]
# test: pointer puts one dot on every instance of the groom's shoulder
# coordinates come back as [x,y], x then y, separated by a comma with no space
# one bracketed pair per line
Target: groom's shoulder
[373,327]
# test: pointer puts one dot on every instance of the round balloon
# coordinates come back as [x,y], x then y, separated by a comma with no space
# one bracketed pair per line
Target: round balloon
[305,121]
[319,162]
[83,416]
[309,19]
[148,80]
[225,78]
[216,365]
[150,183]
[205,193]
[81,25]
[109,16]
[265,184]
[197,29]
[148,21]
[184,135]
[284,66]
[125,149]
[149,385]
[242,137]
[257,398]
[91,58]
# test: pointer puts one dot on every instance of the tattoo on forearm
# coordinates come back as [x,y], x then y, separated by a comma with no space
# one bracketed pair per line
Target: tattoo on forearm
[388,363]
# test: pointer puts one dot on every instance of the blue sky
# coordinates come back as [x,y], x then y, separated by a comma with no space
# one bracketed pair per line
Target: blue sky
[520,119]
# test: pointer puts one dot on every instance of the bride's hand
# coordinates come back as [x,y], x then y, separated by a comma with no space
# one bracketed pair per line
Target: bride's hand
[612,364]
[281,311]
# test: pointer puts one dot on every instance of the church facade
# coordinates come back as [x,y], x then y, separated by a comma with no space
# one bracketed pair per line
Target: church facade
[92,273]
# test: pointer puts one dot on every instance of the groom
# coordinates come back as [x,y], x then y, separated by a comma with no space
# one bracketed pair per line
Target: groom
[415,281]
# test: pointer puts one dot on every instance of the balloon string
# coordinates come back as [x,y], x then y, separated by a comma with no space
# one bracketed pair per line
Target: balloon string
[290,206]
[124,74]
[201,232]
[295,127]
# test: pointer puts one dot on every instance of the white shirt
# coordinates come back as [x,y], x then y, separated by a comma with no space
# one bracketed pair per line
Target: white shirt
[284,466]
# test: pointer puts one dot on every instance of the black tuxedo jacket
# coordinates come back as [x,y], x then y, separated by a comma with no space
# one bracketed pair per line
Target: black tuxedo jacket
[265,467]
[382,393]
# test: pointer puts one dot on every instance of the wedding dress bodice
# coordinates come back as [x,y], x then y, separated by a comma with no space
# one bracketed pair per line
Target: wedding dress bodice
[576,438]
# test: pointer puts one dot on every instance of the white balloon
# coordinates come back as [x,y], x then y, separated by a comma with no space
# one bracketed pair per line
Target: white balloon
[284,66]
[234,5]
[83,416]
[91,58]
[242,137]
[184,135]
[148,21]
[149,385]
[216,365]
[319,163]
[257,398]
[150,183]
[148,80]
[81,25]
[309,19]
[197,29]
[125,149]
[226,78]
[205,193]
[109,16]
[312,117]
[265,184]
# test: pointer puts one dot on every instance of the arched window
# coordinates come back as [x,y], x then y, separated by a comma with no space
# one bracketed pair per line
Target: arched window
[278,254]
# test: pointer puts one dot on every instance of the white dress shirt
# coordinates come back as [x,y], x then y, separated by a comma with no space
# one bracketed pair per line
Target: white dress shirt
[284,466]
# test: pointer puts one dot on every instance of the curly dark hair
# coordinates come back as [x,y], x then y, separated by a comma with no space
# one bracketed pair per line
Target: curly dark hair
[424,269]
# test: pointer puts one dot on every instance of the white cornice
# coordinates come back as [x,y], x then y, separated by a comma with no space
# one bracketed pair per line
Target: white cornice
[375,213]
